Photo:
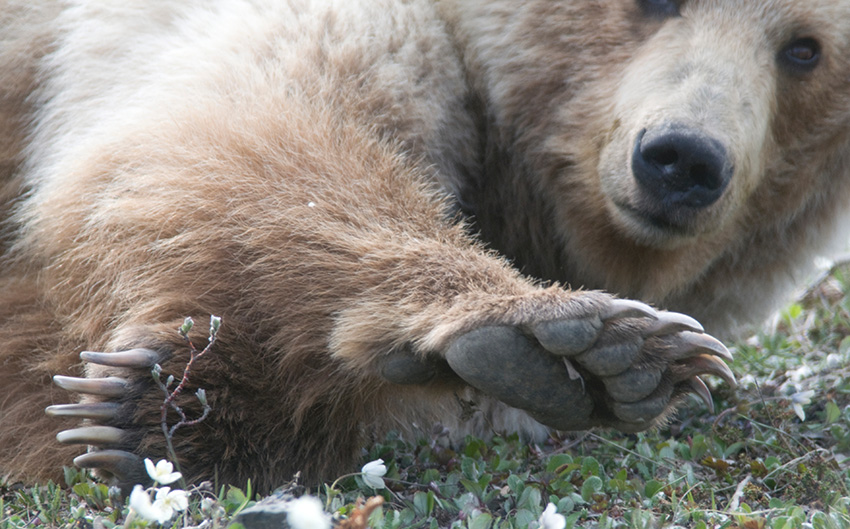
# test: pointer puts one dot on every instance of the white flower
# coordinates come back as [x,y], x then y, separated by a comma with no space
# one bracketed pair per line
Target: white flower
[141,503]
[796,375]
[170,501]
[306,512]
[163,473]
[800,399]
[550,519]
[373,472]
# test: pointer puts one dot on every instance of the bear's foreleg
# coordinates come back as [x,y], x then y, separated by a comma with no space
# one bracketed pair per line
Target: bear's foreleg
[342,279]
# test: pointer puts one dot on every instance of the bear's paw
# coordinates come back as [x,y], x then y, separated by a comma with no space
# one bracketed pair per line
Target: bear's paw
[108,453]
[624,367]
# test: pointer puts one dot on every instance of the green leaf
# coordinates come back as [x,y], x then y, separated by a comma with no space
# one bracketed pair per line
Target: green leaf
[558,461]
[591,486]
[473,487]
[530,499]
[516,484]
[833,412]
[652,488]
[482,521]
[589,467]
[467,466]
[524,518]
[420,503]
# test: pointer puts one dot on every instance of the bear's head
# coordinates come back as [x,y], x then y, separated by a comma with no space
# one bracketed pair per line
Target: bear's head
[658,141]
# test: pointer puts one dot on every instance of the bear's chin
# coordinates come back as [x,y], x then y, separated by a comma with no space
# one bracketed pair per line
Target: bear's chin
[659,228]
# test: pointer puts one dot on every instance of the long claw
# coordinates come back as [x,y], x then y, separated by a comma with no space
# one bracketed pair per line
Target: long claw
[709,365]
[130,358]
[91,435]
[697,343]
[673,322]
[126,466]
[701,390]
[104,387]
[96,410]
[627,308]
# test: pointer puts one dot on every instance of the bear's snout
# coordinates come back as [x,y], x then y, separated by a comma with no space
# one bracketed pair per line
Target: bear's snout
[680,170]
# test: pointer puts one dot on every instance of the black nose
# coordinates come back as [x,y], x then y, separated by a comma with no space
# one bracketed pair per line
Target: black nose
[678,166]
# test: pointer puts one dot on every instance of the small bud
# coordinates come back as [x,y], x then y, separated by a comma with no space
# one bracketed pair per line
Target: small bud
[169,381]
[188,323]
[215,323]
[202,396]
[156,371]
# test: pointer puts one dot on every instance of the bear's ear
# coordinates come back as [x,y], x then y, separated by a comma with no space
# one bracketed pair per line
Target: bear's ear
[659,8]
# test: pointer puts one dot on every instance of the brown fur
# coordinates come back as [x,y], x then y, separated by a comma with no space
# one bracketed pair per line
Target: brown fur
[306,184]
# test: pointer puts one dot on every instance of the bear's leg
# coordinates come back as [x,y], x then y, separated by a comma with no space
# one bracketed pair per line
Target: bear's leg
[345,287]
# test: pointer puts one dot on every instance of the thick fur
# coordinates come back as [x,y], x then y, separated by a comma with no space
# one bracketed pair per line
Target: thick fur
[303,169]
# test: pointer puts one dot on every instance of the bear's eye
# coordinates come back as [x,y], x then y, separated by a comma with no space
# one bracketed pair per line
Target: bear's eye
[659,8]
[801,54]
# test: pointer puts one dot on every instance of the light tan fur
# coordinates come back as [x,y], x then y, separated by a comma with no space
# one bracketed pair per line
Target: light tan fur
[302,169]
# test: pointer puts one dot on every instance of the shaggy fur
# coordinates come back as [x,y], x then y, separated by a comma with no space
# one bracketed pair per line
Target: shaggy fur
[303,169]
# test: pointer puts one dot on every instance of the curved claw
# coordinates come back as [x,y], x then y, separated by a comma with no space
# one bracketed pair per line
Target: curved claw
[708,365]
[699,388]
[104,387]
[627,308]
[125,466]
[673,322]
[91,435]
[697,344]
[95,410]
[131,358]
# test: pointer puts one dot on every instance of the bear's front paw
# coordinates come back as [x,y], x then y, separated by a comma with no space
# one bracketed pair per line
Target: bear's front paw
[107,408]
[622,366]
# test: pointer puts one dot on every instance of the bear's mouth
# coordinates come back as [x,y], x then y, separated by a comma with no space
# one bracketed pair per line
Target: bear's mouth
[664,223]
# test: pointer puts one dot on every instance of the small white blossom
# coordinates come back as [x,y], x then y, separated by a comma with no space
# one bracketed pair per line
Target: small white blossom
[373,472]
[170,501]
[796,375]
[834,361]
[550,519]
[800,399]
[311,204]
[163,473]
[140,502]
[306,512]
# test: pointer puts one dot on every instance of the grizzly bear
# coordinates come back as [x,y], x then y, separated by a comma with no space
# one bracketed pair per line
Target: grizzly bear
[405,213]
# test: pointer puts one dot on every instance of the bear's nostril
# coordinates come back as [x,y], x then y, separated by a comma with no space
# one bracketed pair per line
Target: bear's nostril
[705,176]
[677,166]
[663,156]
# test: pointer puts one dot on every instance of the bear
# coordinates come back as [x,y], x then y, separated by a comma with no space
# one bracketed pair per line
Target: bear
[494,216]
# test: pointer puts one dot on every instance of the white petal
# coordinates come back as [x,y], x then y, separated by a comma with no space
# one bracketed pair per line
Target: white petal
[141,503]
[307,512]
[163,473]
[375,468]
[550,519]
[374,481]
[178,499]
[150,468]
